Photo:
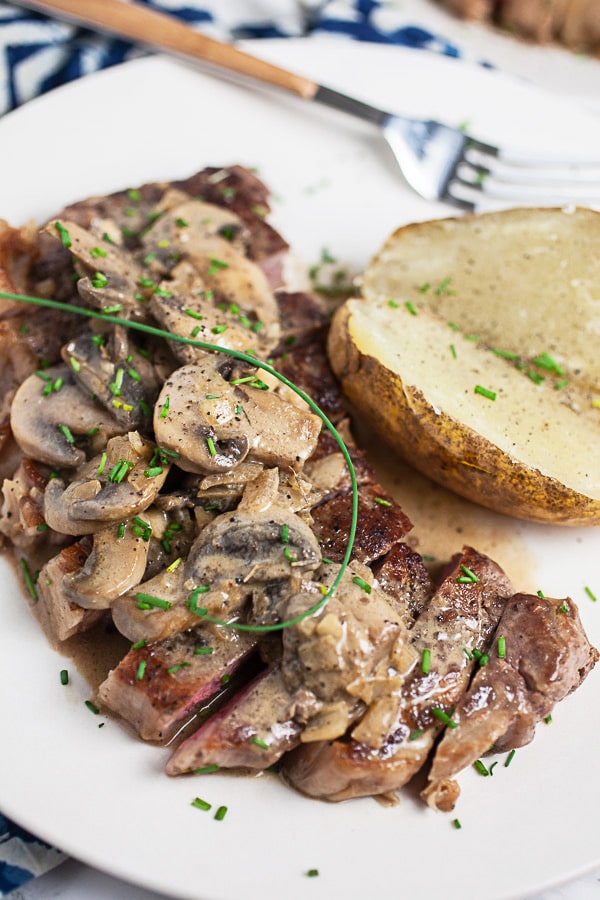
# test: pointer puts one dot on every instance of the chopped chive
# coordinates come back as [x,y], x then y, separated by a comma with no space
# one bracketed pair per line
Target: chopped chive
[102,464]
[67,434]
[164,410]
[502,647]
[204,770]
[382,501]
[139,644]
[182,665]
[545,361]
[415,734]
[134,195]
[215,265]
[119,471]
[443,286]
[260,743]
[505,354]
[199,803]
[453,351]
[485,392]
[57,384]
[149,601]
[153,471]
[43,526]
[470,576]
[563,383]
[92,707]
[393,304]
[411,308]
[175,564]
[534,376]
[221,813]
[443,717]
[425,661]
[96,252]
[203,651]
[456,824]
[285,534]
[64,235]
[225,679]
[590,594]
[121,530]
[493,766]
[548,719]
[75,364]
[480,767]
[141,670]
[219,329]
[312,873]
[211,447]
[99,280]
[564,607]
[509,758]
[364,585]
[541,595]
[64,676]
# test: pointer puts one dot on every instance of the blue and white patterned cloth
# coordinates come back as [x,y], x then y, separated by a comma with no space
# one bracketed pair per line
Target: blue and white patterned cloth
[38,54]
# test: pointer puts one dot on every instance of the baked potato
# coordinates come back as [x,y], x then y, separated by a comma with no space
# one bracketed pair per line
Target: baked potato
[473,352]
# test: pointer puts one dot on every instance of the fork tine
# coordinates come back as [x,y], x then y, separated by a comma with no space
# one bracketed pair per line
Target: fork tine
[486,154]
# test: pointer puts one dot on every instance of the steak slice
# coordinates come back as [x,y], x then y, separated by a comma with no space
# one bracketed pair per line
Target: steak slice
[461,616]
[546,656]
[251,732]
[158,687]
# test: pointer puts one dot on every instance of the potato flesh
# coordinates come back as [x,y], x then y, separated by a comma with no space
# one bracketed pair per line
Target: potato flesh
[523,280]
[529,422]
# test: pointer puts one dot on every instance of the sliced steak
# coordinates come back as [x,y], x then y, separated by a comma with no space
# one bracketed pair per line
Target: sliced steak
[251,732]
[540,655]
[158,686]
[461,616]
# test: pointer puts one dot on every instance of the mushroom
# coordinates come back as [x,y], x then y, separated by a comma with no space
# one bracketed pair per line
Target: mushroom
[163,605]
[184,307]
[49,411]
[213,424]
[181,228]
[114,486]
[120,378]
[261,542]
[110,275]
[115,565]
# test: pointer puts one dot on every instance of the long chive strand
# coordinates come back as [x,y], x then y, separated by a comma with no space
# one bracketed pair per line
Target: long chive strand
[256,363]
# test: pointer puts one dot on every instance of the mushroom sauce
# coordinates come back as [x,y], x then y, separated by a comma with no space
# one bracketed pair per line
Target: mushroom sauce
[180,482]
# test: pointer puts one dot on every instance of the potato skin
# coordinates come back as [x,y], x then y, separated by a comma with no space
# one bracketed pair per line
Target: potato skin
[443,448]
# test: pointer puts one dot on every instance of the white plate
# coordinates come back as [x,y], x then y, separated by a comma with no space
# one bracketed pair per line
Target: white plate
[98,793]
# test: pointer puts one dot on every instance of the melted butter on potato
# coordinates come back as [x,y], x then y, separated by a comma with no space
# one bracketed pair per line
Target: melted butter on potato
[517,432]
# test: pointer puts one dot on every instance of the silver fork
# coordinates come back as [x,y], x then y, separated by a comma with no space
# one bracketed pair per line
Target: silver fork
[437,161]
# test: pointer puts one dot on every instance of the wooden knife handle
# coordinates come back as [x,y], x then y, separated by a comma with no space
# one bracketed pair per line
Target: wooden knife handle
[146,26]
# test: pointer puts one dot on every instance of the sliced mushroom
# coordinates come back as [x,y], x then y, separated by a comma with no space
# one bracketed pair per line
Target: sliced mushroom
[165,604]
[113,487]
[183,227]
[110,276]
[257,544]
[115,565]
[185,307]
[214,424]
[49,412]
[120,378]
